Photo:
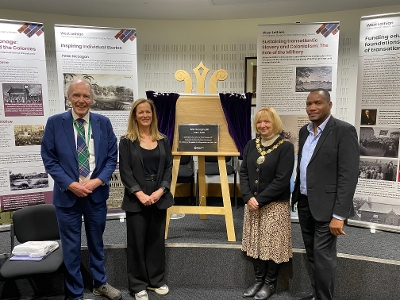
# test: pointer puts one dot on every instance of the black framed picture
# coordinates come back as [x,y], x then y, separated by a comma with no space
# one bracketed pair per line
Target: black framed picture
[250,78]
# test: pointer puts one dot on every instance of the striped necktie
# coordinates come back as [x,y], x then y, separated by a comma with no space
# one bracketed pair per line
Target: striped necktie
[82,149]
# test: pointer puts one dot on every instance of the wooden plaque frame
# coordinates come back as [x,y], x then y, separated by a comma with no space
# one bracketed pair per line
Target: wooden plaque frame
[201,109]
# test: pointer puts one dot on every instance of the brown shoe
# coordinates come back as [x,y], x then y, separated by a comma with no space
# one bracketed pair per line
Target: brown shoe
[108,291]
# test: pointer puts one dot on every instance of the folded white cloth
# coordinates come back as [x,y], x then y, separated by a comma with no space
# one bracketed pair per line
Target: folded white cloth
[35,248]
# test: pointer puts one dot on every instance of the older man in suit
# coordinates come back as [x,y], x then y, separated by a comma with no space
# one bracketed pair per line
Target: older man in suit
[79,151]
[327,174]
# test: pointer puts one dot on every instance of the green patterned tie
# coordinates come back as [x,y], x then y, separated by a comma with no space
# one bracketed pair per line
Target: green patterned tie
[82,149]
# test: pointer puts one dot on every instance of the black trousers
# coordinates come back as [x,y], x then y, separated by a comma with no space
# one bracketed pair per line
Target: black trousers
[321,251]
[146,248]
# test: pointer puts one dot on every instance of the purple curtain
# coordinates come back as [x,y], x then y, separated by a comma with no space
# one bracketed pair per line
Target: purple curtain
[237,110]
[165,105]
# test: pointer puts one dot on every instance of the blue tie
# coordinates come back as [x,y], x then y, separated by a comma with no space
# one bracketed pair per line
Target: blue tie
[82,149]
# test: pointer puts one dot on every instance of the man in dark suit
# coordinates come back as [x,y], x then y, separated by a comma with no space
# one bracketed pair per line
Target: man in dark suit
[77,193]
[327,175]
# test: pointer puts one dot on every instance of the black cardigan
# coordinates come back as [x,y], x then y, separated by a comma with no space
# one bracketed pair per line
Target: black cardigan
[269,181]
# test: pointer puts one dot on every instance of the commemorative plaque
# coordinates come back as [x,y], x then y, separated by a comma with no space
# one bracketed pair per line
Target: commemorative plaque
[198,138]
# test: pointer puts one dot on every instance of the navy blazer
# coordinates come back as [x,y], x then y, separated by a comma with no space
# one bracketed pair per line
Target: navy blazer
[132,173]
[332,173]
[60,157]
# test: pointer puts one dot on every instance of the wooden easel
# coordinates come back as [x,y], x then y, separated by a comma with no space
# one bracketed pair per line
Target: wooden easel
[200,109]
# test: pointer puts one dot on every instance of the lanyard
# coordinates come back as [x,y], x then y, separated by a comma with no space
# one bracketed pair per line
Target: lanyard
[83,135]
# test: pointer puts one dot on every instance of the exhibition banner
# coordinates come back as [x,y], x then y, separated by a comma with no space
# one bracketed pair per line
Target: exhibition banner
[23,114]
[292,60]
[377,198]
[106,58]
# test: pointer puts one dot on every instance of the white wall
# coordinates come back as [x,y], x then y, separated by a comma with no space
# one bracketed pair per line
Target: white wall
[167,46]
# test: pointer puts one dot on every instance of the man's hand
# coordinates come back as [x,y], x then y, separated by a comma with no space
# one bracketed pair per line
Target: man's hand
[79,189]
[252,204]
[92,184]
[336,227]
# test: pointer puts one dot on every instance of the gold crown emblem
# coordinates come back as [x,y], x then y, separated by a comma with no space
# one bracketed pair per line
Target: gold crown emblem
[201,72]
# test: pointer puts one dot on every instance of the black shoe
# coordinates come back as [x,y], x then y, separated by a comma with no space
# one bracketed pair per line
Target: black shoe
[265,292]
[252,291]
[311,297]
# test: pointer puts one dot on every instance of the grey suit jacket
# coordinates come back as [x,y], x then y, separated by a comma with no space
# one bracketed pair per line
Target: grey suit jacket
[132,173]
[332,173]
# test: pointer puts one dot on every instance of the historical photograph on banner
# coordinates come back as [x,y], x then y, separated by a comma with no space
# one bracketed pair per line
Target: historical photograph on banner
[377,198]
[23,113]
[112,92]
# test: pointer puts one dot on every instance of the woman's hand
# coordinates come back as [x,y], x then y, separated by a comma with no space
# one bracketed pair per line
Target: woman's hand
[252,204]
[144,198]
[156,195]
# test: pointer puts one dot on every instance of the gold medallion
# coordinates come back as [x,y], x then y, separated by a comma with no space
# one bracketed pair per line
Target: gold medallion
[261,149]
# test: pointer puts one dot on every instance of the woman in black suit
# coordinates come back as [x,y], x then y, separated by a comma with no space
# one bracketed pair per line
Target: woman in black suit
[145,165]
[265,186]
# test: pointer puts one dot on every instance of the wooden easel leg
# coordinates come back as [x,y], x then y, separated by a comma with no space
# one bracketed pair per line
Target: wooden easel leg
[167,223]
[175,169]
[202,184]
[226,199]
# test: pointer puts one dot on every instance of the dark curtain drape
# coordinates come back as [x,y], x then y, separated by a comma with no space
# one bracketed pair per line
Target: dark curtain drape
[165,105]
[237,110]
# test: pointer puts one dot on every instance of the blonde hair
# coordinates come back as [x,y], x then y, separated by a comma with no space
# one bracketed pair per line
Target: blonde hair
[271,115]
[132,133]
